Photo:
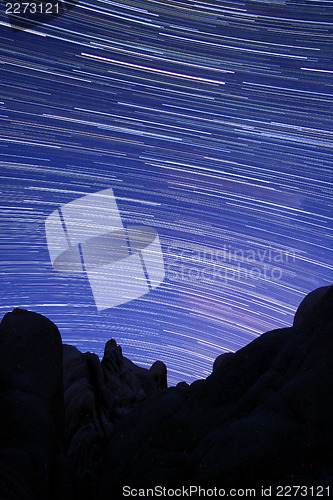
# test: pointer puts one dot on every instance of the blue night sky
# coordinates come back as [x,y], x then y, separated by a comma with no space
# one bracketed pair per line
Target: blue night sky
[212,123]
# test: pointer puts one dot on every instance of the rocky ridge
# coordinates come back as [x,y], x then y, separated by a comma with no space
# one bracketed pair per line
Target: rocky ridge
[74,427]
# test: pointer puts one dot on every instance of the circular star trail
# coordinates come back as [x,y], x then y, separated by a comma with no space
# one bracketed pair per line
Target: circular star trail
[212,123]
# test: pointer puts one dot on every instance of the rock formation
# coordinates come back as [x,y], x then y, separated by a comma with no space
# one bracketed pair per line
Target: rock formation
[72,427]
[97,395]
[33,465]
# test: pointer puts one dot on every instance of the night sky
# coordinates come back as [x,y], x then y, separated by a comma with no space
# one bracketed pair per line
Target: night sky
[212,123]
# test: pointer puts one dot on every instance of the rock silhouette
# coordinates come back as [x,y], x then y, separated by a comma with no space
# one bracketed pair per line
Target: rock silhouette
[74,427]
[33,464]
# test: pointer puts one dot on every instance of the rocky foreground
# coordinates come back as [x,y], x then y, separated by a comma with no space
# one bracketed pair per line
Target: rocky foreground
[72,427]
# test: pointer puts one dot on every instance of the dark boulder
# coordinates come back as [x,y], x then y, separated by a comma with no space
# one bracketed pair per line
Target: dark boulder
[32,456]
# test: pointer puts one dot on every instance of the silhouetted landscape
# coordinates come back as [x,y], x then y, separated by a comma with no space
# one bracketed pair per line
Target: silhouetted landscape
[74,427]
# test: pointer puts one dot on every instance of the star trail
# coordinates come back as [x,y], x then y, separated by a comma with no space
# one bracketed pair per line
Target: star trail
[212,123]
